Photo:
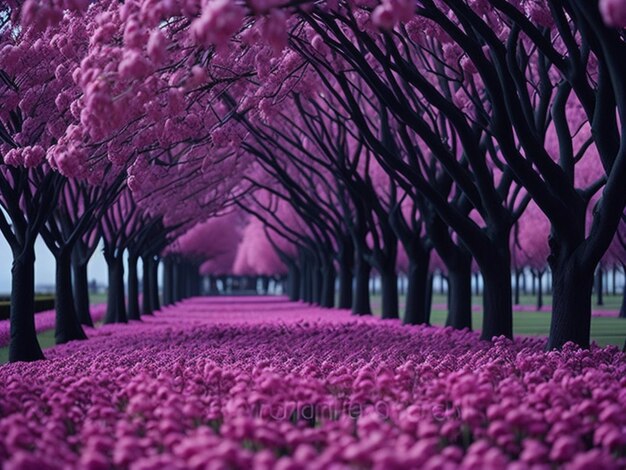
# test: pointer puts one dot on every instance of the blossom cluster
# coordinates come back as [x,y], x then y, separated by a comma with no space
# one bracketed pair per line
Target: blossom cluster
[45,321]
[264,383]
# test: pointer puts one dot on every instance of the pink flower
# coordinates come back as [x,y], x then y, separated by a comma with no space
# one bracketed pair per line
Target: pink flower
[564,448]
[157,47]
[613,12]
[384,17]
[219,21]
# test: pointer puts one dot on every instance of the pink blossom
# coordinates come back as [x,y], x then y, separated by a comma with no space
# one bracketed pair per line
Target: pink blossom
[613,12]
[220,19]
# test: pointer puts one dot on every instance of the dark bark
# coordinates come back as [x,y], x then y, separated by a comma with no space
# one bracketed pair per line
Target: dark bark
[265,282]
[442,281]
[306,289]
[539,276]
[460,289]
[133,288]
[361,299]
[476,284]
[497,295]
[329,276]
[571,305]
[517,287]
[346,275]
[81,293]
[416,309]
[317,282]
[167,281]
[599,287]
[458,261]
[177,282]
[67,325]
[294,282]
[213,290]
[147,285]
[389,292]
[116,302]
[153,281]
[23,345]
[622,311]
[429,292]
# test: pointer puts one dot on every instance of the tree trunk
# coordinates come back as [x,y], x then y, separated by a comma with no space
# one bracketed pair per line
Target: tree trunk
[571,304]
[167,281]
[497,306]
[622,311]
[294,282]
[317,282]
[175,270]
[153,281]
[329,276]
[346,268]
[23,345]
[476,284]
[146,284]
[429,292]
[416,311]
[133,288]
[614,286]
[361,299]
[67,326]
[178,282]
[305,279]
[548,287]
[517,287]
[599,287]
[389,292]
[116,303]
[81,293]
[540,290]
[460,289]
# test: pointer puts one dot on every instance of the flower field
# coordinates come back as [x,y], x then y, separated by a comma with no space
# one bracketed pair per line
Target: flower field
[265,383]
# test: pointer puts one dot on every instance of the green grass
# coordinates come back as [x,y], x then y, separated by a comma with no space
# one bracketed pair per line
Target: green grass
[46,340]
[604,330]
[97,298]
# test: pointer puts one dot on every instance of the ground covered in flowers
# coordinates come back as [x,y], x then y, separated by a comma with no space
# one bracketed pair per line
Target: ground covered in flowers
[264,383]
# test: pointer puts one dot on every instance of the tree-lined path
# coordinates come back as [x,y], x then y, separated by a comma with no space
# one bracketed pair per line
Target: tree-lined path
[338,234]
[267,383]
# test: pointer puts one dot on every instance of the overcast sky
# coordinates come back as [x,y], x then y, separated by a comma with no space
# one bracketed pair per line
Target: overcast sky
[44,268]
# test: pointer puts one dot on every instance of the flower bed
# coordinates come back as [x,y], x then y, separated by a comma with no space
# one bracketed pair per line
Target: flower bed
[238,384]
[45,321]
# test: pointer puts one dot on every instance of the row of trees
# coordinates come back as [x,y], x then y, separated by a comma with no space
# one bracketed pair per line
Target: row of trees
[353,132]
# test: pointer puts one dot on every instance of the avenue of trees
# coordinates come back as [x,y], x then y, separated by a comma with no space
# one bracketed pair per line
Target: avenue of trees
[323,143]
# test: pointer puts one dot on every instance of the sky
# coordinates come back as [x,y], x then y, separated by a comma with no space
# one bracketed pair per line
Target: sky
[44,267]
